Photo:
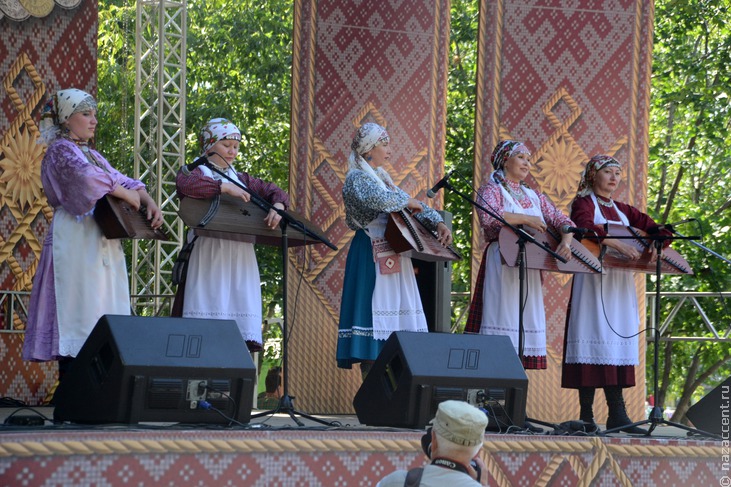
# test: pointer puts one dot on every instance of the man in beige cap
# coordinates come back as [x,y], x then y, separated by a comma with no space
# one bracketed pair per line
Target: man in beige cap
[456,438]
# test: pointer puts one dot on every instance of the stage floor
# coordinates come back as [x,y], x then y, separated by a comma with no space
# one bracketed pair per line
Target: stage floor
[275,451]
[282,421]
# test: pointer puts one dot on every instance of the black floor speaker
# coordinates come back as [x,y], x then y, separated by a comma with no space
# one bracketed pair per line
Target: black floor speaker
[707,414]
[416,371]
[179,370]
[434,280]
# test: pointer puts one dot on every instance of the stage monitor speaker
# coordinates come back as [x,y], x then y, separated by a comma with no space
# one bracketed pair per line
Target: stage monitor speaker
[434,280]
[707,414]
[133,369]
[416,371]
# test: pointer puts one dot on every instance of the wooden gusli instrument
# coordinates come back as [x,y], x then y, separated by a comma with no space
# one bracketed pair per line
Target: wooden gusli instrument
[406,234]
[672,261]
[536,258]
[117,219]
[231,218]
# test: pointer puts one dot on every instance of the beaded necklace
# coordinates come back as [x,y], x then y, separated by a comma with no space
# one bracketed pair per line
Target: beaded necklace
[222,168]
[86,150]
[608,204]
[518,193]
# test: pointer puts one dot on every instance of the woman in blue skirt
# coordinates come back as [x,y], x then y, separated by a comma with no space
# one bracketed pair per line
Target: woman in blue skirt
[380,294]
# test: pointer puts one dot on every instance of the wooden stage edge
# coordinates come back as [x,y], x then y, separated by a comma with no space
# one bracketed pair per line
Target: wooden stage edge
[274,451]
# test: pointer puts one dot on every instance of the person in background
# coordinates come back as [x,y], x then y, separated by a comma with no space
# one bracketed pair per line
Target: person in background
[222,278]
[495,307]
[452,444]
[600,344]
[380,294]
[81,274]
[269,399]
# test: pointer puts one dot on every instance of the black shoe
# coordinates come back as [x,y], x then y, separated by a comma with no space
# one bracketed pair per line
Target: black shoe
[590,427]
[632,430]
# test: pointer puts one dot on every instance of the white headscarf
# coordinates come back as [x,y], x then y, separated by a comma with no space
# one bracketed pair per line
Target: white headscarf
[215,130]
[368,136]
[59,109]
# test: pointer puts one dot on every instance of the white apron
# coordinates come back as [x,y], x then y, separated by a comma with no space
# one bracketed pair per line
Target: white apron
[223,281]
[85,264]
[396,302]
[501,293]
[603,307]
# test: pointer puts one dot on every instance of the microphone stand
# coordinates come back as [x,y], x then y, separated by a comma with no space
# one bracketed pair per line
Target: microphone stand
[286,401]
[656,415]
[701,246]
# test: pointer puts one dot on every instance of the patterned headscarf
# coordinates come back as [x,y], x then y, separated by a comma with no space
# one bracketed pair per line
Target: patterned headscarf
[59,108]
[215,130]
[595,164]
[505,150]
[368,136]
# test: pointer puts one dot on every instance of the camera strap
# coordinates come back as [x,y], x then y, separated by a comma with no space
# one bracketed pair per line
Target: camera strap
[413,477]
[443,462]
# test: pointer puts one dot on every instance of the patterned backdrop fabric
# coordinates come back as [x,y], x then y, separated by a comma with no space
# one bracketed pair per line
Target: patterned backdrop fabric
[571,79]
[37,57]
[354,62]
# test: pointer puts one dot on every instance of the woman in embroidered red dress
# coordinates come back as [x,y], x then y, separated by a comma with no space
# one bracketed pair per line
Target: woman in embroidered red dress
[496,298]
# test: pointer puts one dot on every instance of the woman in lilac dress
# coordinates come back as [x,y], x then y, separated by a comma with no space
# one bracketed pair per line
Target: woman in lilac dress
[81,274]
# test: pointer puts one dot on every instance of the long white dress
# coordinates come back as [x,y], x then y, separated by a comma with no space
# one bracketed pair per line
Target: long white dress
[603,307]
[223,281]
[501,292]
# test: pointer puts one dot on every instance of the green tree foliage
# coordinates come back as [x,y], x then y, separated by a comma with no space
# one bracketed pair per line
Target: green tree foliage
[689,177]
[116,80]
[460,145]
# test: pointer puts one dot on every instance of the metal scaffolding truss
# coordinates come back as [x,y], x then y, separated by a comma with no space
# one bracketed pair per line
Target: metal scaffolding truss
[703,330]
[160,76]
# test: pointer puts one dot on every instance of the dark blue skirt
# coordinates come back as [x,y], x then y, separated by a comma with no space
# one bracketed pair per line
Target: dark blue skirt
[355,330]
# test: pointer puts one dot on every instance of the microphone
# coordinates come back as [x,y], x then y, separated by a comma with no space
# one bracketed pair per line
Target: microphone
[440,184]
[575,230]
[188,168]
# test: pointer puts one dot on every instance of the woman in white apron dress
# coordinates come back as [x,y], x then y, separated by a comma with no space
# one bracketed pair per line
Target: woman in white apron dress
[495,307]
[222,279]
[601,348]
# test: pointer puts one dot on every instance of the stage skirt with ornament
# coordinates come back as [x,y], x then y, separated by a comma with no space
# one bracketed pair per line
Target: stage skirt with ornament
[374,305]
